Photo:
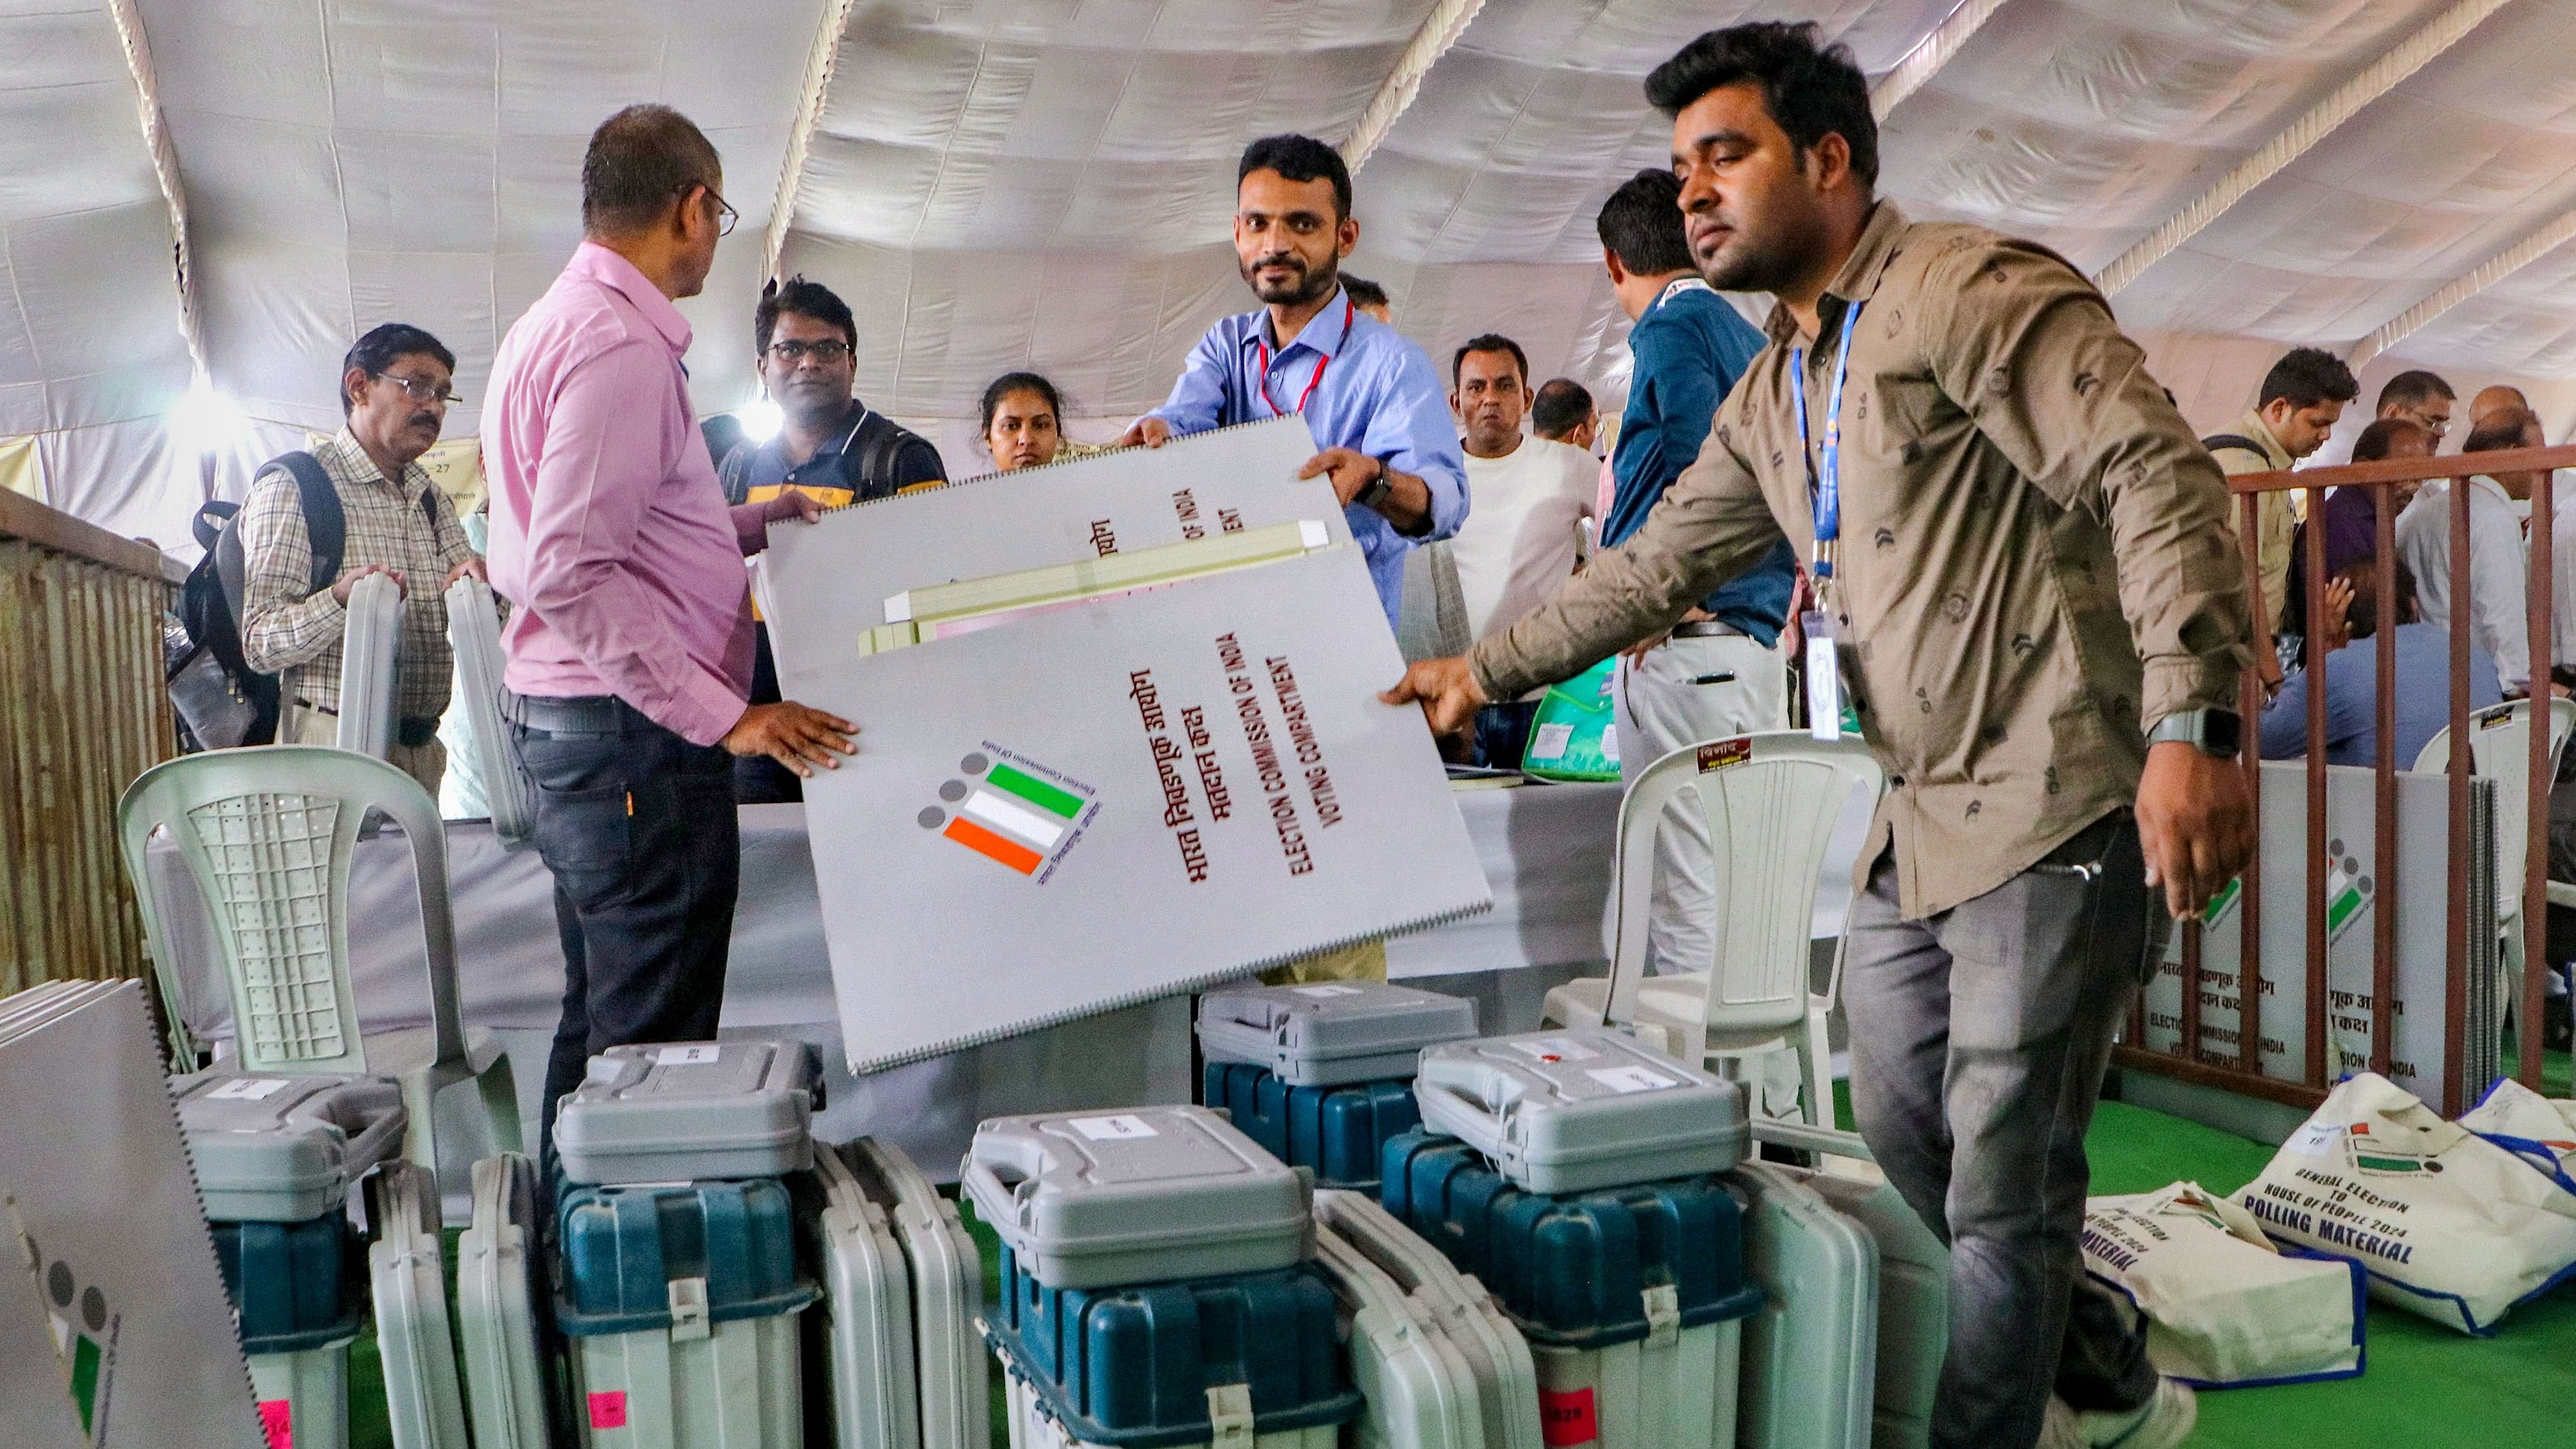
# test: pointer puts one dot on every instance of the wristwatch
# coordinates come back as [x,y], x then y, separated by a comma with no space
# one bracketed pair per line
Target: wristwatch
[1374,491]
[2216,731]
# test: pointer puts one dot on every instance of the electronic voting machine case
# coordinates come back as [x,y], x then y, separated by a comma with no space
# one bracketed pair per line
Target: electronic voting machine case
[1330,1033]
[691,1111]
[1585,1107]
[1156,1194]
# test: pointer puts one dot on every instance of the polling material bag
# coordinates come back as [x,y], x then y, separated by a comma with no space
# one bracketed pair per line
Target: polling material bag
[2225,1307]
[1573,736]
[2532,1127]
[2448,1224]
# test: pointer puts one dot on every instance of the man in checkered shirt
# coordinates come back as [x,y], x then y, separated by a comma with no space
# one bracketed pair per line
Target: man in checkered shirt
[394,388]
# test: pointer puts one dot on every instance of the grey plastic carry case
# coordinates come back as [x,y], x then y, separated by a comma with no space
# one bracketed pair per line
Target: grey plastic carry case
[1810,1364]
[369,648]
[1913,1281]
[1331,1032]
[690,1112]
[1580,1108]
[500,1285]
[1152,1195]
[272,1149]
[474,634]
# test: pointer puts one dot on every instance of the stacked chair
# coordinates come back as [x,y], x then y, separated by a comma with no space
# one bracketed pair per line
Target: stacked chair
[1576,1175]
[1158,1285]
[1322,1075]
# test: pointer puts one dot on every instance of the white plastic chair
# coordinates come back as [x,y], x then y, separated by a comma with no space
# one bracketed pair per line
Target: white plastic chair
[268,835]
[2500,750]
[1771,801]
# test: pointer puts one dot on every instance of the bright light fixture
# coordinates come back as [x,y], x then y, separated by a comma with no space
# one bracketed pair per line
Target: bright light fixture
[203,421]
[760,420]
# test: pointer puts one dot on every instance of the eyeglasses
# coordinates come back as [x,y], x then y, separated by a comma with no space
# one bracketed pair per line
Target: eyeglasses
[421,390]
[726,216]
[827,351]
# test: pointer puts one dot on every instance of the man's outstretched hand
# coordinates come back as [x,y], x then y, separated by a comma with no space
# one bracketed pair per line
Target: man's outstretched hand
[2194,824]
[1445,688]
[793,735]
[1146,432]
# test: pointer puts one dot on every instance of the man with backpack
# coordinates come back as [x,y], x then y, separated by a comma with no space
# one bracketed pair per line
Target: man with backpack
[831,445]
[359,503]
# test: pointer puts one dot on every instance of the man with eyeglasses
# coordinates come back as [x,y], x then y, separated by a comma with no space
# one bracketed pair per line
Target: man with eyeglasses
[394,391]
[830,446]
[629,669]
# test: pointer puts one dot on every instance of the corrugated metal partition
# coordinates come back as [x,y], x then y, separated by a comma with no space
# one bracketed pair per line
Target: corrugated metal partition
[82,712]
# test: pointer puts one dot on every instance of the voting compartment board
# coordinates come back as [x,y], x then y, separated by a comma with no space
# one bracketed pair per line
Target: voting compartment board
[2353,895]
[1133,789]
[100,1216]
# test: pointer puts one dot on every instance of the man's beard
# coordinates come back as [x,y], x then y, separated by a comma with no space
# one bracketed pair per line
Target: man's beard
[1309,286]
[1754,262]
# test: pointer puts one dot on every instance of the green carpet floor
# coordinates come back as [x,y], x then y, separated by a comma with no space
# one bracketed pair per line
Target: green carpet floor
[2427,1387]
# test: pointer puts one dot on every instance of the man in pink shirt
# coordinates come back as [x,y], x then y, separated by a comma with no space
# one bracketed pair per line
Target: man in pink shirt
[630,646]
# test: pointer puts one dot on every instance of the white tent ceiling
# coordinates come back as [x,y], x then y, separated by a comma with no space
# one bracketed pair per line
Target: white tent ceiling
[1009,183]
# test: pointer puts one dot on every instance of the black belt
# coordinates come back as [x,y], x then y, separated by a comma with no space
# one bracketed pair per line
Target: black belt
[1707,629]
[411,731]
[589,714]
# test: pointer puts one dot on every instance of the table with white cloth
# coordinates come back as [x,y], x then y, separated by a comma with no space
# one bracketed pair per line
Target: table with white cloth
[1545,849]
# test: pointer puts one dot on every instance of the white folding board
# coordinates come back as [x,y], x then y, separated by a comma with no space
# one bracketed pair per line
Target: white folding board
[97,1199]
[1122,797]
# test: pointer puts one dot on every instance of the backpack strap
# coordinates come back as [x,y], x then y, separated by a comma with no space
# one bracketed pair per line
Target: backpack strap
[2221,442]
[324,523]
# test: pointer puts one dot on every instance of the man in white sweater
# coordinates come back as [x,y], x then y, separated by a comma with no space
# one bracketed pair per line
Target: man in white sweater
[2494,588]
[1527,498]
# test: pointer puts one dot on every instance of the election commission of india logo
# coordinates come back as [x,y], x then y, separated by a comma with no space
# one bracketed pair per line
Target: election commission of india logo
[1011,810]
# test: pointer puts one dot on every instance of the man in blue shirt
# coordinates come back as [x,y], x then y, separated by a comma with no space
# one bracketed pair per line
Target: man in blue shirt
[1720,672]
[1373,401]
[2423,658]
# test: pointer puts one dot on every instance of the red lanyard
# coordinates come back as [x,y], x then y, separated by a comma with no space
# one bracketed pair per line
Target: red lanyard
[1262,380]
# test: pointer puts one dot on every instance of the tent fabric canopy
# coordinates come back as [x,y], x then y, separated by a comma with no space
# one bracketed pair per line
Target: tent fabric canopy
[1033,183]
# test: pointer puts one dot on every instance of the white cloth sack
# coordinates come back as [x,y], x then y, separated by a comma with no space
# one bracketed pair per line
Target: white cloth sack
[2447,1223]
[2532,1127]
[2225,1308]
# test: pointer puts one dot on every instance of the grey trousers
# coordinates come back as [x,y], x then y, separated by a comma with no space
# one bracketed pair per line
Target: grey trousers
[1978,1041]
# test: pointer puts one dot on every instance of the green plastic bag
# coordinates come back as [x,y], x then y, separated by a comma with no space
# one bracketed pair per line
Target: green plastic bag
[1573,736]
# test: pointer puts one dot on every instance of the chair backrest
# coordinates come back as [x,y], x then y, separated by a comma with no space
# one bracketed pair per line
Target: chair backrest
[1771,801]
[2500,750]
[268,834]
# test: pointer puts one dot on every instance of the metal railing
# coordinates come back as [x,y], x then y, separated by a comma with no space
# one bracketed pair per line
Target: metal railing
[2190,1062]
[83,710]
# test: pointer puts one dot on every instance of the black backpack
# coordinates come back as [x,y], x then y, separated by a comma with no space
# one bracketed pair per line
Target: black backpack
[210,610]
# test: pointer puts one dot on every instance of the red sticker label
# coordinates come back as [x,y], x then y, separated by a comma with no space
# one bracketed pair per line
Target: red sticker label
[1722,753]
[1566,1418]
[608,1410]
[277,1421]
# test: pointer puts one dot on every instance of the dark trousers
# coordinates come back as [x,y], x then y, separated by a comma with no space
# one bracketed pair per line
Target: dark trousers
[1978,1041]
[639,828]
[1502,733]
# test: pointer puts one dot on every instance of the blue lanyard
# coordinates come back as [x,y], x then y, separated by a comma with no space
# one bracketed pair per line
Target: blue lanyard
[1827,480]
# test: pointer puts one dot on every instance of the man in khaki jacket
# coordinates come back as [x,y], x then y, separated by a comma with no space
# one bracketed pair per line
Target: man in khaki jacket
[2037,587]
[2303,397]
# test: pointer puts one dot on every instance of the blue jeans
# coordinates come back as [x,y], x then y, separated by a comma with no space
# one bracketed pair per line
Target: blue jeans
[1978,1041]
[638,827]
[1502,733]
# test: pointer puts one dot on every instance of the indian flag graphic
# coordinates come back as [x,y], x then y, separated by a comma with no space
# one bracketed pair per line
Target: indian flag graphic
[1006,813]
